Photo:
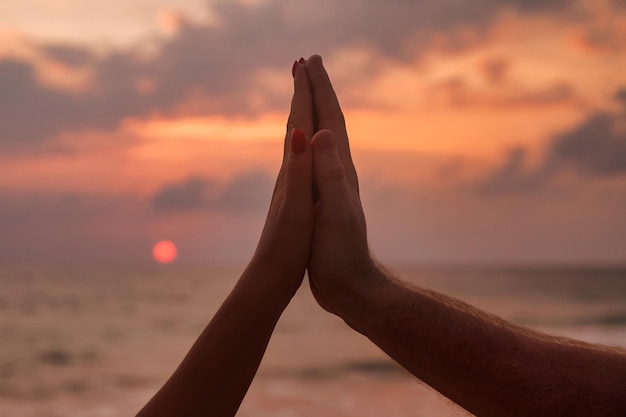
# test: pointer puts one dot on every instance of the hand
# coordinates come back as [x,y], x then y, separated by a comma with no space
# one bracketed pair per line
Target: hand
[284,246]
[216,373]
[340,266]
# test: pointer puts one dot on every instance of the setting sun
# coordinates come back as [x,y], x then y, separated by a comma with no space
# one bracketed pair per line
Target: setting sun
[164,252]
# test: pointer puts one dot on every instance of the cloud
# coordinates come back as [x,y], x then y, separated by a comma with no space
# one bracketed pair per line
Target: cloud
[246,193]
[596,147]
[23,101]
[604,39]
[458,91]
[217,65]
[539,5]
[32,112]
[192,194]
[249,192]
[620,96]
[68,55]
[512,176]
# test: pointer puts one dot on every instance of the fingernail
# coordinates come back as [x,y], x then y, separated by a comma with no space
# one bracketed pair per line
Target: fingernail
[293,69]
[302,61]
[324,142]
[298,141]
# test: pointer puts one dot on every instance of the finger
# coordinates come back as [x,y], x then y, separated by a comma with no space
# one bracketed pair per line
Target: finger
[328,114]
[329,172]
[328,111]
[301,113]
[299,172]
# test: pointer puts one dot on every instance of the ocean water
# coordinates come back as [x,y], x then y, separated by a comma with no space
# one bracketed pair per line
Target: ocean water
[99,341]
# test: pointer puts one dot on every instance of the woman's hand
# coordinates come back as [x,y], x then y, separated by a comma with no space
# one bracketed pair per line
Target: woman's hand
[283,250]
[213,378]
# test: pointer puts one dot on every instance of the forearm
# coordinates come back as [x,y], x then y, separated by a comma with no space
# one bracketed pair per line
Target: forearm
[213,378]
[486,365]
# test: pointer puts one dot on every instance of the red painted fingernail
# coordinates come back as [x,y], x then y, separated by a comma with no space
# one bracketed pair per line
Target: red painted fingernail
[298,141]
[293,69]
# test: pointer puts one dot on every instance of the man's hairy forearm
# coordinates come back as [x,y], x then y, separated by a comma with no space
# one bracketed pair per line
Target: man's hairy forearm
[485,364]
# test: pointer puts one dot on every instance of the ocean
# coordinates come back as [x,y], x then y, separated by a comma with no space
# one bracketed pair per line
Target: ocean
[79,340]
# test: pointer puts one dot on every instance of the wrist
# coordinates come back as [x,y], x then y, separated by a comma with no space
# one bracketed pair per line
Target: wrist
[275,281]
[361,307]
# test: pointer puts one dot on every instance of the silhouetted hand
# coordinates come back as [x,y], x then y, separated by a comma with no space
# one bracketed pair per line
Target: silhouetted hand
[213,378]
[340,266]
[284,246]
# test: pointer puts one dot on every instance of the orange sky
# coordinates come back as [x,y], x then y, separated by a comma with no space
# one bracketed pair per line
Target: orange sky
[484,111]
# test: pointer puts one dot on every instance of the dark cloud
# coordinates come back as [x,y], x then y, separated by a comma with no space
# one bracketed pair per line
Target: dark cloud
[512,176]
[216,64]
[192,194]
[620,96]
[596,147]
[29,111]
[540,5]
[68,55]
[32,112]
[249,192]
[603,39]
[246,193]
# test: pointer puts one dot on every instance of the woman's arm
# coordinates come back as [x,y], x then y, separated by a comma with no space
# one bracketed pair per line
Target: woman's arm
[213,378]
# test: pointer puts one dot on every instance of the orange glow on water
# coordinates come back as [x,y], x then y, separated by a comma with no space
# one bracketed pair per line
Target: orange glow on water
[164,252]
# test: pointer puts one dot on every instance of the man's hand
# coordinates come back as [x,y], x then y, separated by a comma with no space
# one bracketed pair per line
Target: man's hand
[340,266]
[486,365]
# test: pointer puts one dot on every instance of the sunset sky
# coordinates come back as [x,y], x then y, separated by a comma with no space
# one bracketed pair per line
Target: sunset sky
[486,131]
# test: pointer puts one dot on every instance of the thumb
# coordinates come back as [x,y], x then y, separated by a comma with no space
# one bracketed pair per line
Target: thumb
[330,176]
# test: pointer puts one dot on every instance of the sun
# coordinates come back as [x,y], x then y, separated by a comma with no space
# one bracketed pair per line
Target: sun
[164,251]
